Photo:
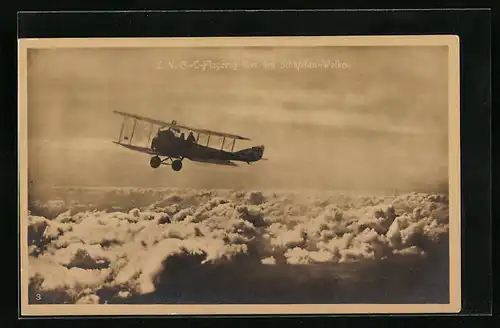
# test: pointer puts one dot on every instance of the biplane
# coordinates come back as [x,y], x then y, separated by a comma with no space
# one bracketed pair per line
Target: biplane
[170,146]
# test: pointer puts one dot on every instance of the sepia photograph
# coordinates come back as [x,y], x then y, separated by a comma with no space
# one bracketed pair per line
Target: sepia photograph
[245,175]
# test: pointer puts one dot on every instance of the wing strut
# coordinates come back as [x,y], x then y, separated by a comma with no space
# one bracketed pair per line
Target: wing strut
[121,130]
[223,140]
[150,133]
[133,130]
[232,148]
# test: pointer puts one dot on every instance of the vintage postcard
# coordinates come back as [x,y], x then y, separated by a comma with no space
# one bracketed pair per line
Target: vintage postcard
[248,175]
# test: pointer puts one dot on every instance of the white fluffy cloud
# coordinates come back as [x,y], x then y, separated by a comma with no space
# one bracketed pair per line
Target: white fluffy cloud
[81,252]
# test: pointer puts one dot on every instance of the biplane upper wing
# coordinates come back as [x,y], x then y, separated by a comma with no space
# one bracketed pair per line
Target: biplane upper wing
[142,118]
[136,148]
[163,124]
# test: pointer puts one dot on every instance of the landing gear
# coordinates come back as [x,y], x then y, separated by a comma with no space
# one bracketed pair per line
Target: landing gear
[177,165]
[155,162]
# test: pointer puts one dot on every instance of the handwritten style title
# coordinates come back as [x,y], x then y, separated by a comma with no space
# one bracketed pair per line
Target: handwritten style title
[210,65]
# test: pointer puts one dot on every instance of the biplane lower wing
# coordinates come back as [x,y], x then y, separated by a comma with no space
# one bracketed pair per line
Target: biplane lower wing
[136,148]
[214,161]
[199,160]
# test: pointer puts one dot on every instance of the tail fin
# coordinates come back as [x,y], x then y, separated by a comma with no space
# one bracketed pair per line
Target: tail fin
[250,154]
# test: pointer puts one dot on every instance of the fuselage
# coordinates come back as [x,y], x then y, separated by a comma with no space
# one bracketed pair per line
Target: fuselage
[174,147]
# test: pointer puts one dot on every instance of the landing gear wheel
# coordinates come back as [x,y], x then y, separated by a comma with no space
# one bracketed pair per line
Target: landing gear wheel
[177,165]
[155,162]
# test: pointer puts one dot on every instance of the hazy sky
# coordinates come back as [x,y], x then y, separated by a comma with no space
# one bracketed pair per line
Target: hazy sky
[378,123]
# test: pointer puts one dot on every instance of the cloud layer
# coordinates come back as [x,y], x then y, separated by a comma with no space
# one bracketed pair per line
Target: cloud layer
[120,245]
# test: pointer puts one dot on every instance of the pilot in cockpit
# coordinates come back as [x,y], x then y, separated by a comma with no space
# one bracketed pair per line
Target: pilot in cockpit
[167,134]
[191,137]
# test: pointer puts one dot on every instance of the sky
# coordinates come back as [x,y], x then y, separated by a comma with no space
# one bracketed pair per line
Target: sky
[377,120]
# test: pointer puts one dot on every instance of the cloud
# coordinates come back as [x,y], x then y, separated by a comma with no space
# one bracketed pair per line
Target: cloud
[412,250]
[95,255]
[268,261]
[36,228]
[51,276]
